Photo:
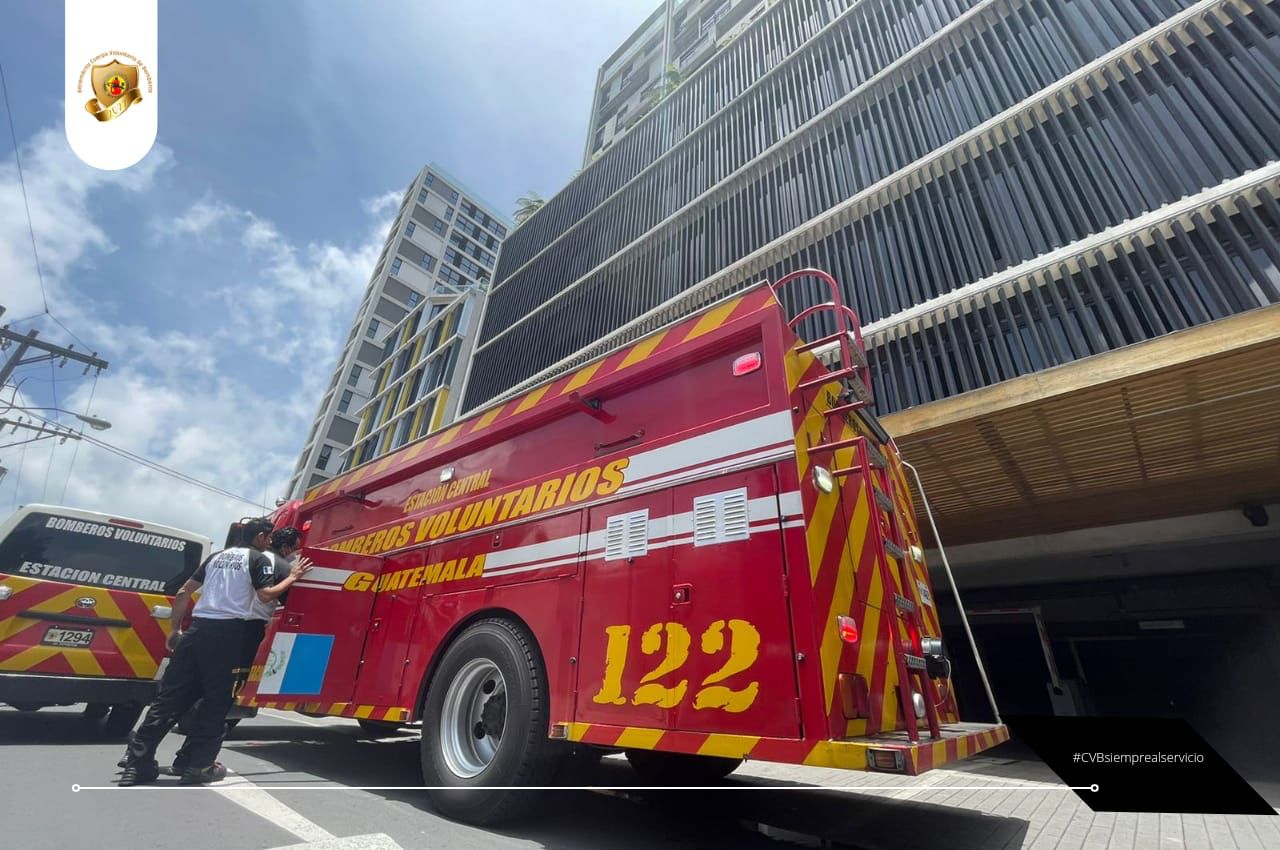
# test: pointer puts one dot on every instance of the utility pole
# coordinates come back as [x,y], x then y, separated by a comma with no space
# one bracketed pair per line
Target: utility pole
[64,433]
[45,351]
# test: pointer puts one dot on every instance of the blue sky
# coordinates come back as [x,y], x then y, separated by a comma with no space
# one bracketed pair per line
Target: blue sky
[219,275]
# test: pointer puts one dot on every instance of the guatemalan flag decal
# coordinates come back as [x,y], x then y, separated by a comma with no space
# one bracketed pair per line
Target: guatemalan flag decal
[296,664]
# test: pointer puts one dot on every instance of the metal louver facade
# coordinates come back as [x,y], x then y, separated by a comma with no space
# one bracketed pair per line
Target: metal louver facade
[1000,186]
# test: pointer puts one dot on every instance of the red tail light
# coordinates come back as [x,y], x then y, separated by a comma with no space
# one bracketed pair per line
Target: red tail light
[913,634]
[746,364]
[848,629]
[127,523]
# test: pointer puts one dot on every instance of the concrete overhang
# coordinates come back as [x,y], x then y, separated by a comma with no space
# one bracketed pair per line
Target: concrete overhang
[1185,424]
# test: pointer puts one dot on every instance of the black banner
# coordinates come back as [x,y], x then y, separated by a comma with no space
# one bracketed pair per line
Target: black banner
[1131,764]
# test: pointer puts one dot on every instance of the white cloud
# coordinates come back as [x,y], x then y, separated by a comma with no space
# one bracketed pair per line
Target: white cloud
[224,387]
[67,233]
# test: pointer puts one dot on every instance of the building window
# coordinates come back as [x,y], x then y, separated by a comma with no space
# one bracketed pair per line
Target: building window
[448,214]
[373,328]
[395,266]
[422,196]
[428,261]
[453,197]
[431,179]
[438,226]
[355,375]
[345,402]
[325,453]
[414,297]
[408,231]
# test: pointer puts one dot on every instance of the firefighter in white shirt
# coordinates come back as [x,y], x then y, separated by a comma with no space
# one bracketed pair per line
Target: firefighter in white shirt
[206,655]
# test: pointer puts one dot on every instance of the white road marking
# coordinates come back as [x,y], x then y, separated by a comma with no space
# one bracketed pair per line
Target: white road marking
[244,793]
[376,841]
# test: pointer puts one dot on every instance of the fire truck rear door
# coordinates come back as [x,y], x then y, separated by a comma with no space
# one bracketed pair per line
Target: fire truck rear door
[627,656]
[315,651]
[729,594]
[391,624]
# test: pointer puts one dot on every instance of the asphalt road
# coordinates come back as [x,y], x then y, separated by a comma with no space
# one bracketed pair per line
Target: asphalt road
[47,754]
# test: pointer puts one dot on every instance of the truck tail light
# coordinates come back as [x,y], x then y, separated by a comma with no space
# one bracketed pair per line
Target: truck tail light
[848,629]
[746,364]
[127,523]
[913,638]
[890,760]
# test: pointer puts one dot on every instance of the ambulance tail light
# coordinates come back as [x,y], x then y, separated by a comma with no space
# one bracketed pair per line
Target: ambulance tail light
[746,364]
[848,629]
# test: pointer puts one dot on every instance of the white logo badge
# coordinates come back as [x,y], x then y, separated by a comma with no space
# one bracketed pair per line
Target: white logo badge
[111,96]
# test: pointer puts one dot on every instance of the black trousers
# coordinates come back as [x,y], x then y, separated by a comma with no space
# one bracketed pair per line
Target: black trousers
[254,631]
[202,669]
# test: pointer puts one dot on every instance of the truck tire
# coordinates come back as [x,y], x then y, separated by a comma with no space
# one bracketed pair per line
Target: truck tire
[485,724]
[121,719]
[378,728]
[658,768]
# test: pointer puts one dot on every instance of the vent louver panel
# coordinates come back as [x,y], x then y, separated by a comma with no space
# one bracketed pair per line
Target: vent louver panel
[721,518]
[627,535]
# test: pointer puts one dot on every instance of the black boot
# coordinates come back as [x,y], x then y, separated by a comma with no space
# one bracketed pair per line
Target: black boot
[139,774]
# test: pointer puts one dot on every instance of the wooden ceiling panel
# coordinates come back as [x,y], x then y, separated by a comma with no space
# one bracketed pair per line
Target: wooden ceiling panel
[1186,423]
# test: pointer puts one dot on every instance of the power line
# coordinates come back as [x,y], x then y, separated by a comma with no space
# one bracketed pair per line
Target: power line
[76,451]
[155,466]
[23,183]
[164,470]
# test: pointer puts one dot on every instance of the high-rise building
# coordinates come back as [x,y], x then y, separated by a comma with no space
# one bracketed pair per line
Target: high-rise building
[1060,223]
[419,313]
[412,389]
[677,35]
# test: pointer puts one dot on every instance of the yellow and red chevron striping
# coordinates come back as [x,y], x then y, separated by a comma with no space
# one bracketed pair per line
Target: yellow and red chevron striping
[654,345]
[393,714]
[117,651]
[842,560]
[845,754]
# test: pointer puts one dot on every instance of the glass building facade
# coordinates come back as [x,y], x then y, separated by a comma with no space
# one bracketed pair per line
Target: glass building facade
[411,396]
[442,243]
[1000,186]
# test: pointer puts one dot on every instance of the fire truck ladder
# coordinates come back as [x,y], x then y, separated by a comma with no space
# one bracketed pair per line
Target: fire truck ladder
[893,550]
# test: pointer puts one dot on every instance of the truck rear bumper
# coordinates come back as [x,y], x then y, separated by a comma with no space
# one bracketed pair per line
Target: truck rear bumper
[892,752]
[889,752]
[62,690]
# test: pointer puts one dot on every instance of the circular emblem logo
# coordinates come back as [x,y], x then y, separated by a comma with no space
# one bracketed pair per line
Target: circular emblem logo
[116,85]
[86,602]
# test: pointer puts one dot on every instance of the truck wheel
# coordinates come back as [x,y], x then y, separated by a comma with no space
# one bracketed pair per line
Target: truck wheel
[378,728]
[678,768]
[121,719]
[485,724]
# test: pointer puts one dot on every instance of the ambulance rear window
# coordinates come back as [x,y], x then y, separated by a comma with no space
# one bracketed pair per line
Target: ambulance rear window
[79,551]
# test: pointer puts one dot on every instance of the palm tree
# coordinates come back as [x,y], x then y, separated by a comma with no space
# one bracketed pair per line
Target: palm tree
[528,204]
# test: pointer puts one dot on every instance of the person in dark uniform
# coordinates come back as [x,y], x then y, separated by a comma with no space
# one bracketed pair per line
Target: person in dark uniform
[205,657]
[285,543]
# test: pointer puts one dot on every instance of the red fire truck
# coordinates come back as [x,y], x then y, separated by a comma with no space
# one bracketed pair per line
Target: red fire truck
[698,548]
